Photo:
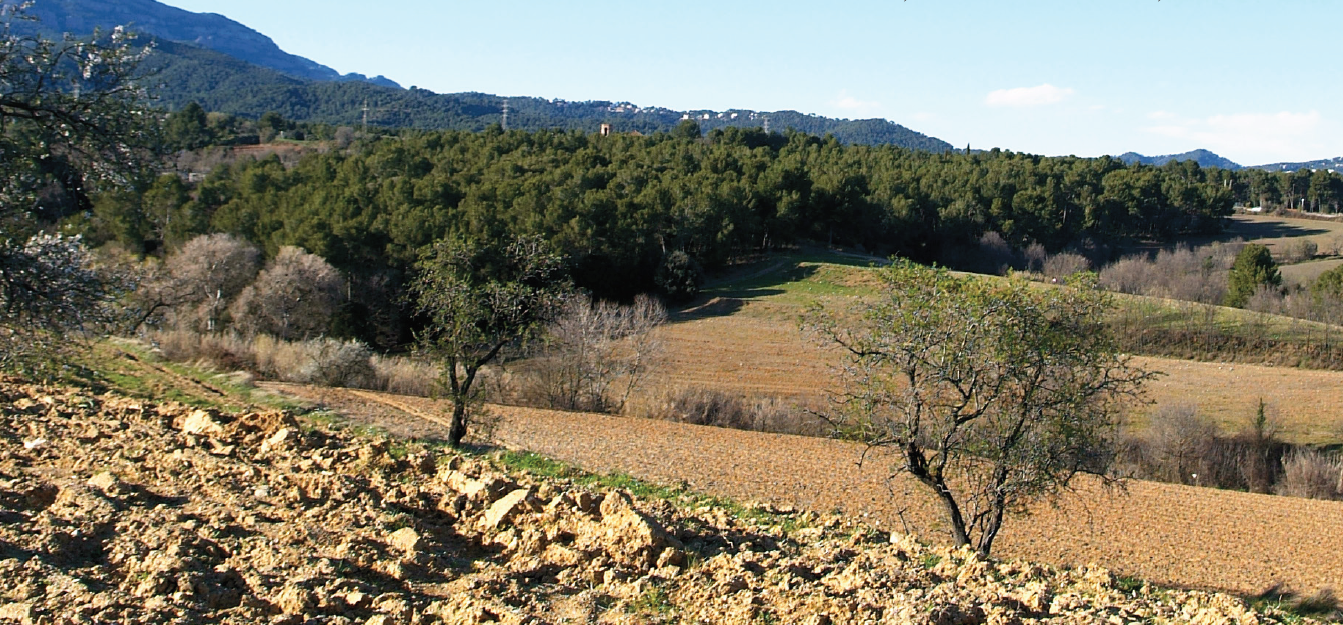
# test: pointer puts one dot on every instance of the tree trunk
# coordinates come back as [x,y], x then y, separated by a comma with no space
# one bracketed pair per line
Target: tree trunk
[457,431]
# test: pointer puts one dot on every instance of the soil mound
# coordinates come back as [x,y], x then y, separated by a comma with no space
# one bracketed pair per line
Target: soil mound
[118,510]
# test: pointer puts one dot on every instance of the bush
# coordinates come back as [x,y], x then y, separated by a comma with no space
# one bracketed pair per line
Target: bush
[717,408]
[404,376]
[1065,264]
[680,277]
[295,297]
[1311,474]
[1298,251]
[595,355]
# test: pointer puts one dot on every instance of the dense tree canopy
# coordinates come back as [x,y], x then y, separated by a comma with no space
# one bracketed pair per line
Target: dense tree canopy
[618,206]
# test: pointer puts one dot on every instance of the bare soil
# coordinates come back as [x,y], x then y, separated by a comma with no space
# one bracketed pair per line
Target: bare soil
[115,510]
[1169,534]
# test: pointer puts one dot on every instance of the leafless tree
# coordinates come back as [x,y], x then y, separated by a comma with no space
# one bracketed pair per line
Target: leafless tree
[199,281]
[597,353]
[293,298]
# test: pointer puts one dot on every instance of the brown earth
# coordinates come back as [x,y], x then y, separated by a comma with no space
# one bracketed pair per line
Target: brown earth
[1176,535]
[759,351]
[119,510]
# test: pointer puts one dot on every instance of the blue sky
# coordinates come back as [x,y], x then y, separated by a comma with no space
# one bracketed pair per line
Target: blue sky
[1256,82]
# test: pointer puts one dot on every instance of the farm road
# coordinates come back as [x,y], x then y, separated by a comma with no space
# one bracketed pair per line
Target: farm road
[1173,535]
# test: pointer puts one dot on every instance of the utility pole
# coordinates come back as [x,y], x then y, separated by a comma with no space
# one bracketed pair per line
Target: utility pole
[504,125]
[365,115]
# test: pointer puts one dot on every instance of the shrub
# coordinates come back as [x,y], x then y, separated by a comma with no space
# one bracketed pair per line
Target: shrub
[1311,474]
[293,298]
[680,277]
[1065,264]
[404,376]
[1299,251]
[595,355]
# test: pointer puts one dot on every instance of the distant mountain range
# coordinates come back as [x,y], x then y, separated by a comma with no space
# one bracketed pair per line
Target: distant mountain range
[228,67]
[1332,164]
[1204,158]
[207,30]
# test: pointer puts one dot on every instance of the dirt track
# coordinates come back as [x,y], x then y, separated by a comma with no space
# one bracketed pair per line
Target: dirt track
[1169,534]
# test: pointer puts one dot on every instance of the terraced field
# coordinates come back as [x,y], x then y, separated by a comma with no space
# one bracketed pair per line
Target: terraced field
[748,339]
[1174,535]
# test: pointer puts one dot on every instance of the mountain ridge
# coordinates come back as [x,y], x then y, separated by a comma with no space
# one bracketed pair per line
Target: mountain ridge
[207,30]
[1204,158]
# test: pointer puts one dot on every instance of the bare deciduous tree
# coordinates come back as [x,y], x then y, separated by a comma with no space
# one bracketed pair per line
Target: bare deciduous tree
[597,353]
[293,298]
[992,395]
[198,281]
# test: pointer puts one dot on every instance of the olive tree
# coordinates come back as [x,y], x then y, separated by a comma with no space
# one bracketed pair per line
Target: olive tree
[992,394]
[477,298]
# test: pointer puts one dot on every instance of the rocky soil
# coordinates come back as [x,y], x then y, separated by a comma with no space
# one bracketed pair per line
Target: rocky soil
[119,510]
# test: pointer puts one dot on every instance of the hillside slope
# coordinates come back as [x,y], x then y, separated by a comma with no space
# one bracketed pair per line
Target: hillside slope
[119,510]
[1203,157]
[207,30]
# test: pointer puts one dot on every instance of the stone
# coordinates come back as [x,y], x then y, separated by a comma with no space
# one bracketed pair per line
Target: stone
[509,506]
[201,423]
[294,600]
[279,439]
[105,482]
[407,540]
[21,612]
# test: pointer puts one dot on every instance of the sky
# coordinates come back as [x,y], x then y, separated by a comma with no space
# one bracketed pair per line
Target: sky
[1256,82]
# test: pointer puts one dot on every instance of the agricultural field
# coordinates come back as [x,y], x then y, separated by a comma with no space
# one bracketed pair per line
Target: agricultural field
[1302,274]
[747,338]
[1172,535]
[1277,232]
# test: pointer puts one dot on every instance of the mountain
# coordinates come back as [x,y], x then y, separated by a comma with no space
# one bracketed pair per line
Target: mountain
[180,73]
[1204,158]
[1331,164]
[207,30]
[230,68]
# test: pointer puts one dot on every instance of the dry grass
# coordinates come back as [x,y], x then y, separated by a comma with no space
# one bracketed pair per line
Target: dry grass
[1305,273]
[1277,233]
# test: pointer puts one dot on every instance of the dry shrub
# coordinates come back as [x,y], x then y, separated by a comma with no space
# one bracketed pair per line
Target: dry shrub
[1065,264]
[595,356]
[713,407]
[217,351]
[294,297]
[404,376]
[1298,251]
[1195,275]
[323,361]
[1311,474]
[1035,256]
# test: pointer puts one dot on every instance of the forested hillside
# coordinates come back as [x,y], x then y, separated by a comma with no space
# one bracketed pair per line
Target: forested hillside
[620,205]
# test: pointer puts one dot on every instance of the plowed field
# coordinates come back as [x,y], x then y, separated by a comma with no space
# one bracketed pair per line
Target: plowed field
[756,349]
[1175,535]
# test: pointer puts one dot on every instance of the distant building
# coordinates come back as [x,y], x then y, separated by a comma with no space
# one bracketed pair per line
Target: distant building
[606,130]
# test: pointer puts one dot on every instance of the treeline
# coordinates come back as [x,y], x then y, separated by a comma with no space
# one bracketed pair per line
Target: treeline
[619,207]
